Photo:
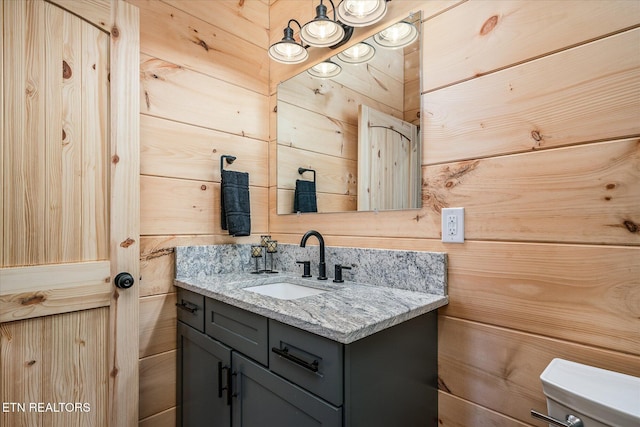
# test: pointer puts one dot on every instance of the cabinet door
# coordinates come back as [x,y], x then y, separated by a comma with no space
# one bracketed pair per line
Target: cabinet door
[265,399]
[203,367]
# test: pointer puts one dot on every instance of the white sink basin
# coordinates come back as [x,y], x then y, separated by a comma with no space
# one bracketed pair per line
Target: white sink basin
[285,290]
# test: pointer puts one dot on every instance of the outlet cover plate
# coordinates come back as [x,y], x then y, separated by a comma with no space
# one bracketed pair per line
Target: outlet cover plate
[453,225]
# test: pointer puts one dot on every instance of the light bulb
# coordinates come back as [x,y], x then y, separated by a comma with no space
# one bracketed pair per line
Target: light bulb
[360,8]
[360,52]
[396,32]
[360,13]
[320,29]
[398,35]
[325,70]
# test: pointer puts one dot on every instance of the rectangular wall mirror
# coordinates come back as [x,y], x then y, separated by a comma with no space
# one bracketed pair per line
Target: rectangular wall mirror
[356,134]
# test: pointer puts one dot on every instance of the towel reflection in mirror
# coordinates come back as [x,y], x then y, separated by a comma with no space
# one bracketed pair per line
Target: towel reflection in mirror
[304,197]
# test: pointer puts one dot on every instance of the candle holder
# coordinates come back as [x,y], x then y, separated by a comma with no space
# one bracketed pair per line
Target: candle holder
[264,239]
[256,252]
[272,248]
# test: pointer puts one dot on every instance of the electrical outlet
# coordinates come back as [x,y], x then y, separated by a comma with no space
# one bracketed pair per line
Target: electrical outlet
[453,225]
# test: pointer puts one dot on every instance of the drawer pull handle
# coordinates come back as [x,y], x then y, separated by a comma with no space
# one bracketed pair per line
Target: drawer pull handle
[284,352]
[186,305]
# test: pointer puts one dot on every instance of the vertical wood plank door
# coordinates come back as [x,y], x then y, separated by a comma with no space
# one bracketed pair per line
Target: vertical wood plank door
[389,162]
[69,206]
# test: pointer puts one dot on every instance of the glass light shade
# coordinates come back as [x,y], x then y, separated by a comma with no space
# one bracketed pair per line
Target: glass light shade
[325,70]
[321,33]
[360,13]
[288,52]
[398,35]
[358,53]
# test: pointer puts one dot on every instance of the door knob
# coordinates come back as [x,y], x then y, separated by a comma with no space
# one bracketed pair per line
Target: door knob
[124,280]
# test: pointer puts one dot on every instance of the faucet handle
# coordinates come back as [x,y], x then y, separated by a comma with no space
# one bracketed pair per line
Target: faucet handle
[307,268]
[338,272]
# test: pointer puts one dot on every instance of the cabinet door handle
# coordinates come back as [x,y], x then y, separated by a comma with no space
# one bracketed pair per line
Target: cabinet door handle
[220,388]
[186,305]
[229,391]
[284,352]
[227,387]
[238,386]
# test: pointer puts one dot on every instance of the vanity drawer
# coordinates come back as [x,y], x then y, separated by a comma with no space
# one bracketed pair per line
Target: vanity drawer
[310,361]
[240,329]
[190,307]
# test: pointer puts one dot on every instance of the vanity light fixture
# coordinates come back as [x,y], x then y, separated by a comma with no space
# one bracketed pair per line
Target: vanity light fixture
[322,31]
[325,70]
[288,50]
[360,13]
[357,54]
[398,35]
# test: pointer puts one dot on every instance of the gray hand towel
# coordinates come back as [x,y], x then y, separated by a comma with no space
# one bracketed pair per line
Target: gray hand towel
[235,214]
[304,197]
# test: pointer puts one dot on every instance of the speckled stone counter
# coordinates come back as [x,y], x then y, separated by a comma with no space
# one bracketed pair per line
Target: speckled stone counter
[345,313]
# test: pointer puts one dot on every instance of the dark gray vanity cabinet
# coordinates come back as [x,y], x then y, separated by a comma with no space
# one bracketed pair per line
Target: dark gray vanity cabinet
[240,369]
[230,386]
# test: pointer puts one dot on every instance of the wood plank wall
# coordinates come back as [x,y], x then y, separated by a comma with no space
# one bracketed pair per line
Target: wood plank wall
[204,93]
[532,123]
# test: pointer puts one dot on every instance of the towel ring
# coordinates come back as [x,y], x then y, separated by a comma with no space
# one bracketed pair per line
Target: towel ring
[229,159]
[303,170]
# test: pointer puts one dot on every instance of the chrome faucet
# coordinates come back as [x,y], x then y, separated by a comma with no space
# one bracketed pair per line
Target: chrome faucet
[322,267]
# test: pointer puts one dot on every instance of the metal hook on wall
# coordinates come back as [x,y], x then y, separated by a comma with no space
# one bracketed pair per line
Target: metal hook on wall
[303,170]
[229,159]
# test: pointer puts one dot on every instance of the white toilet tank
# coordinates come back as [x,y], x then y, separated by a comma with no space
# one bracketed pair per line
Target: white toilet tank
[597,396]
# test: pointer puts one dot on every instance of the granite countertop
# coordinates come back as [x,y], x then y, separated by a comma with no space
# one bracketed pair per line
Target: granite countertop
[346,313]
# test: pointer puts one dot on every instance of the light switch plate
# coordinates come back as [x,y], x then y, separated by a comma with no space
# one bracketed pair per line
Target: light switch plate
[453,225]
